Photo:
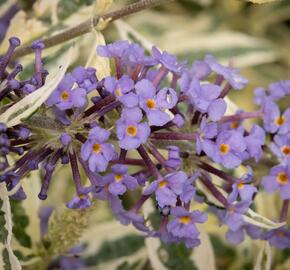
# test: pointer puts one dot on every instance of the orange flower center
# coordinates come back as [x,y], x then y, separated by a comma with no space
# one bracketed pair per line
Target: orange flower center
[64,95]
[184,220]
[201,136]
[240,185]
[131,131]
[234,124]
[163,184]
[82,196]
[279,121]
[282,178]
[280,234]
[224,148]
[118,92]
[285,150]
[118,177]
[97,148]
[150,103]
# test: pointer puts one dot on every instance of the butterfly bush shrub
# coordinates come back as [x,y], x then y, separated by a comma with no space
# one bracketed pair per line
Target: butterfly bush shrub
[156,128]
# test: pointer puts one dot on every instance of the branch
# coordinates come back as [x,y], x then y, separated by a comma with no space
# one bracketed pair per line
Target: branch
[86,26]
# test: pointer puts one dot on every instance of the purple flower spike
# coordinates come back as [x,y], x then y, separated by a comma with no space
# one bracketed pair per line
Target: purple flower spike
[274,122]
[229,74]
[168,188]
[155,104]
[281,147]
[131,133]
[96,150]
[203,138]
[64,97]
[183,224]
[79,202]
[120,181]
[122,90]
[279,178]
[228,149]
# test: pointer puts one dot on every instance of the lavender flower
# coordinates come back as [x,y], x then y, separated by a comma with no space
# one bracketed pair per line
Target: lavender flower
[227,149]
[119,180]
[279,238]
[278,179]
[131,133]
[281,147]
[96,150]
[155,103]
[168,188]
[79,202]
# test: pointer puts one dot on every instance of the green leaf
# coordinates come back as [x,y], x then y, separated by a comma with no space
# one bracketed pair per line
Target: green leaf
[21,222]
[120,247]
[6,260]
[3,230]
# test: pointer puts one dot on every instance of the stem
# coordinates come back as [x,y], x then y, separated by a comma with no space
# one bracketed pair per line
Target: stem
[87,26]
[284,210]
[150,165]
[214,191]
[217,172]
[173,136]
[129,161]
[99,105]
[75,172]
[241,116]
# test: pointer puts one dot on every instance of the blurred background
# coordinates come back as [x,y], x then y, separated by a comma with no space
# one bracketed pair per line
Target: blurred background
[252,37]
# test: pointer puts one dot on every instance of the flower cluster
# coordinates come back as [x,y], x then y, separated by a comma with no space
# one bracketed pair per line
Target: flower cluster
[156,125]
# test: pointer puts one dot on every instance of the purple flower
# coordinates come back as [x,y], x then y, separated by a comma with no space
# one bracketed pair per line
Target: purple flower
[79,202]
[281,147]
[254,142]
[155,103]
[279,89]
[183,223]
[206,132]
[236,237]
[64,97]
[114,50]
[278,179]
[122,90]
[233,215]
[174,161]
[168,61]
[189,190]
[229,74]
[96,150]
[130,132]
[85,78]
[274,122]
[119,180]
[168,188]
[65,139]
[260,96]
[243,188]
[279,238]
[227,149]
[205,98]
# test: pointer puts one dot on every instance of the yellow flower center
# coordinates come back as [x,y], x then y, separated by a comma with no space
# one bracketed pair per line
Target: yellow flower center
[97,148]
[282,178]
[150,103]
[224,148]
[279,121]
[280,234]
[64,95]
[82,196]
[234,124]
[131,131]
[240,185]
[118,92]
[163,184]
[201,136]
[118,177]
[184,220]
[285,150]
